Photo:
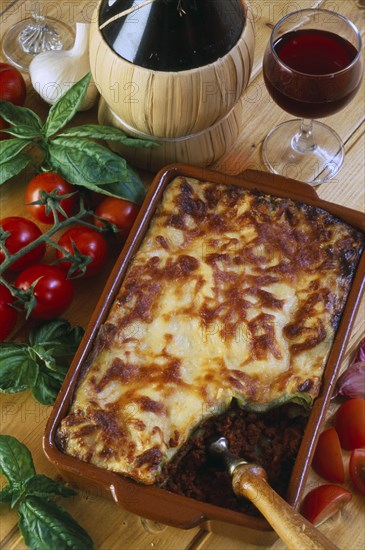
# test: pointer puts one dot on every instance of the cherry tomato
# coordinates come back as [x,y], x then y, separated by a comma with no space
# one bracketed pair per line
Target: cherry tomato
[357,469]
[53,291]
[327,460]
[323,502]
[12,84]
[12,88]
[48,181]
[118,211]
[350,424]
[22,232]
[90,243]
[8,314]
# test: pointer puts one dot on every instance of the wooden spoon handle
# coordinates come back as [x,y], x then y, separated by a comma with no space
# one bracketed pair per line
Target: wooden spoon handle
[294,530]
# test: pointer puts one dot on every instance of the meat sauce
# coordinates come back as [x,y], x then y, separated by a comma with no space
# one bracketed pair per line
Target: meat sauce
[270,439]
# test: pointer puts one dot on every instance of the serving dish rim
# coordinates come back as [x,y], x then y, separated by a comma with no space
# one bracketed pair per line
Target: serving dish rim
[181,511]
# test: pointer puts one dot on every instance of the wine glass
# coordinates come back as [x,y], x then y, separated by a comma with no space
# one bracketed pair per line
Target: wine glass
[34,35]
[312,68]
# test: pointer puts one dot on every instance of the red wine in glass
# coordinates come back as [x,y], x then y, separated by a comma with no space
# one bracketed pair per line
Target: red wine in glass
[312,52]
[312,69]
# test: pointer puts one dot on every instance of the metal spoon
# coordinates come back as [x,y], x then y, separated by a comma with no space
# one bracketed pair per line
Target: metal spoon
[250,481]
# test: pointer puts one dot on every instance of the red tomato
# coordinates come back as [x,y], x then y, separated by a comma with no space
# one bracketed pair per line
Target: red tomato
[22,232]
[8,314]
[350,424]
[53,291]
[323,502]
[90,243]
[48,181]
[12,88]
[357,469]
[118,211]
[327,460]
[12,84]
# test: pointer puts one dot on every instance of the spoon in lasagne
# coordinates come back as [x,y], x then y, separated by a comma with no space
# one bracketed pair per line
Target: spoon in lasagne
[249,481]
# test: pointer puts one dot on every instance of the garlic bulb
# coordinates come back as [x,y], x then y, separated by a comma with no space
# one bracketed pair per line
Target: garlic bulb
[53,73]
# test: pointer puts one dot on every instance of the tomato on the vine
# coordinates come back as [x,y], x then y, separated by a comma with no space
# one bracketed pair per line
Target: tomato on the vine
[8,314]
[323,502]
[89,242]
[327,459]
[22,232]
[49,181]
[357,469]
[12,88]
[12,84]
[350,423]
[120,212]
[52,290]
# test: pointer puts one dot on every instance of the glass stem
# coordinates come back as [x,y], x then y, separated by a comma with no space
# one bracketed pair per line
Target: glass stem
[36,13]
[303,141]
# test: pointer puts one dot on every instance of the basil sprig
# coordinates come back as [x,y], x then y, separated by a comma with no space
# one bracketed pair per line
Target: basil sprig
[41,365]
[42,522]
[69,151]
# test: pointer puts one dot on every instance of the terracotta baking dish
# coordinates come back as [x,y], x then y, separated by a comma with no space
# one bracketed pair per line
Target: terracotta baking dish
[156,503]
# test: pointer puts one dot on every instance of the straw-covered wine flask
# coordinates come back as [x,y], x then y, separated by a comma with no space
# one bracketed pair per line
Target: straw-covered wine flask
[174,71]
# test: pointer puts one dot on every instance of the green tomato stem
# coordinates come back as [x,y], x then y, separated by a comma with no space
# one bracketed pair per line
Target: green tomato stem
[46,237]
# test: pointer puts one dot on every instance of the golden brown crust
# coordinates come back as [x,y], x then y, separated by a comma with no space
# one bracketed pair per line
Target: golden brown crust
[232,294]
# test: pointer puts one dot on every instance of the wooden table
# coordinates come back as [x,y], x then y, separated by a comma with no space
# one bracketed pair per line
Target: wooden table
[109,526]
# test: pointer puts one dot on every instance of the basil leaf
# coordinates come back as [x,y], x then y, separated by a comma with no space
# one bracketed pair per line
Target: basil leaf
[64,109]
[48,385]
[18,369]
[6,495]
[46,358]
[91,165]
[117,188]
[16,461]
[109,133]
[22,132]
[20,116]
[9,148]
[57,338]
[13,167]
[45,525]
[45,487]
[89,161]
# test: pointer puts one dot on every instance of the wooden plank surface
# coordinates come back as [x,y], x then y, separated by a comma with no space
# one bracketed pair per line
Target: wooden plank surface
[111,527]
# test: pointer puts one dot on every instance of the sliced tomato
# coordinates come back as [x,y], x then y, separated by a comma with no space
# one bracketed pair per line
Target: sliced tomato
[350,424]
[323,502]
[327,460]
[357,469]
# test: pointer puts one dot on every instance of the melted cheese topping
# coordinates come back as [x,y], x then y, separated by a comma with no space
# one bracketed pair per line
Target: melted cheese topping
[232,294]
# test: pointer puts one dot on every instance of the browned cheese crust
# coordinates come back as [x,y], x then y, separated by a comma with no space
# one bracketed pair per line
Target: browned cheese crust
[233,294]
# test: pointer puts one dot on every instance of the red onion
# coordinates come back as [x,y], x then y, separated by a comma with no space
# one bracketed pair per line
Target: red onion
[360,356]
[351,383]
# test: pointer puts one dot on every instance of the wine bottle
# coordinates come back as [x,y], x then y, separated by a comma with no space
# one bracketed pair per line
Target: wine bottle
[172,35]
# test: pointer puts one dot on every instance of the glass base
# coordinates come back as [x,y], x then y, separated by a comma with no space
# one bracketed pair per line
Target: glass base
[317,165]
[29,37]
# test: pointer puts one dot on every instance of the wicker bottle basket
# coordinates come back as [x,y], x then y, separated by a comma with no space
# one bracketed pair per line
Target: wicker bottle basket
[200,149]
[199,105]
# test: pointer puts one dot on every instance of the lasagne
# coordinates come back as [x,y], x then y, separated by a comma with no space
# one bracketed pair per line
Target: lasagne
[232,295]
